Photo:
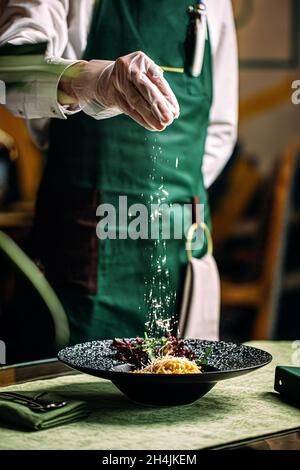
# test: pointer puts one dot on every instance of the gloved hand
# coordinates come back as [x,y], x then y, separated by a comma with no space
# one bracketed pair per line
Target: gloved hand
[133,84]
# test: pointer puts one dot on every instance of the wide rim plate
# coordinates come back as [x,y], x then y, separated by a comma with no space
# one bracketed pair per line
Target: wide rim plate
[225,361]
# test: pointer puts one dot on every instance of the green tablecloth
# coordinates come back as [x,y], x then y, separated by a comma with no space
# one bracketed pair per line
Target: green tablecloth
[235,410]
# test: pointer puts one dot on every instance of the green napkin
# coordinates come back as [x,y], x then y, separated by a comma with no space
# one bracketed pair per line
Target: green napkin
[20,416]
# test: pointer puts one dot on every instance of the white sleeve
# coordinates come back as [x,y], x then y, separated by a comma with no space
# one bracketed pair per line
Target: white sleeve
[31,22]
[222,129]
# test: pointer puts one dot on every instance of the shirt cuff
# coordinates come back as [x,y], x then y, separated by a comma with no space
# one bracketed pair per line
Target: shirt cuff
[37,96]
[59,110]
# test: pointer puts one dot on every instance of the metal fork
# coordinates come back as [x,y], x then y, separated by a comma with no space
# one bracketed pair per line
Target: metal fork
[36,404]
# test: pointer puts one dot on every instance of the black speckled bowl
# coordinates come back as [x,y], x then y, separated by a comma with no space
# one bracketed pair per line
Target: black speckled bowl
[225,361]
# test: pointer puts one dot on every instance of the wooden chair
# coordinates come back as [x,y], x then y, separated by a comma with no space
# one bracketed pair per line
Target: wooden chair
[231,207]
[34,278]
[30,161]
[263,294]
[16,217]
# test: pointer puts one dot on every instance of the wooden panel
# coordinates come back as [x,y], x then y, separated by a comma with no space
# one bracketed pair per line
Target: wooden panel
[7,376]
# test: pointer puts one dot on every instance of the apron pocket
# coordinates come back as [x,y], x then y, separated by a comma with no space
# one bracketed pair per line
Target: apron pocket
[64,238]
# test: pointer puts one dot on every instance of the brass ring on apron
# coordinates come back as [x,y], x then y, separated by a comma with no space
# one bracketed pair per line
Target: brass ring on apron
[190,235]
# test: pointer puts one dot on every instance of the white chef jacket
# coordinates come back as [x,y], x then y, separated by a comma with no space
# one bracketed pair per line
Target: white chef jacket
[64,25]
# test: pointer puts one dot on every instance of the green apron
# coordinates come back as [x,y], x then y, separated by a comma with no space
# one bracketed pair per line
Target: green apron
[104,284]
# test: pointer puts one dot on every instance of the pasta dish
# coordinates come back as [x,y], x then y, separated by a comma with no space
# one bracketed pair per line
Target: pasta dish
[166,355]
[170,365]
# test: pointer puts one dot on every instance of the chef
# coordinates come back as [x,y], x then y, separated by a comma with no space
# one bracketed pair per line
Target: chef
[111,107]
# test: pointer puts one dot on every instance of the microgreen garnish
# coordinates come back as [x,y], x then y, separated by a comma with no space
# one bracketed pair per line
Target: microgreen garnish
[203,361]
[142,351]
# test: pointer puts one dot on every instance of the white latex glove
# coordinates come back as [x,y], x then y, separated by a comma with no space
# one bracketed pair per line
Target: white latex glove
[133,84]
